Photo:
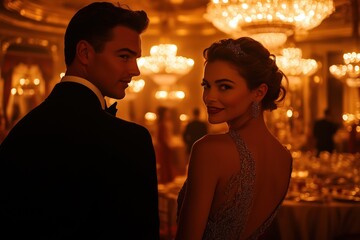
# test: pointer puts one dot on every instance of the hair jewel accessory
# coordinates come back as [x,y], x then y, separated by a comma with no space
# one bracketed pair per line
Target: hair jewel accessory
[235,48]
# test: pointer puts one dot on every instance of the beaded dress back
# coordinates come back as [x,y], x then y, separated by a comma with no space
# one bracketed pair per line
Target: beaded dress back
[229,221]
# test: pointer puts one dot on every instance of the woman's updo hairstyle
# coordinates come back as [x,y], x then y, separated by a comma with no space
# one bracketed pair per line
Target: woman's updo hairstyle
[254,63]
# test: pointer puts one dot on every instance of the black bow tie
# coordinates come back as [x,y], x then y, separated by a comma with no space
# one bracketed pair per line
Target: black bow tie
[112,109]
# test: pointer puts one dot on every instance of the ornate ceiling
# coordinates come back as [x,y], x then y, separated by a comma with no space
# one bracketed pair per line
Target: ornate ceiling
[183,17]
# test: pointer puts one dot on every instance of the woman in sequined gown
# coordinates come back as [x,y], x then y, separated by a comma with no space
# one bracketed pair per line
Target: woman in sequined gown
[237,180]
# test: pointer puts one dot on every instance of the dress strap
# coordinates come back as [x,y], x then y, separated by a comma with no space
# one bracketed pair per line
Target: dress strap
[245,193]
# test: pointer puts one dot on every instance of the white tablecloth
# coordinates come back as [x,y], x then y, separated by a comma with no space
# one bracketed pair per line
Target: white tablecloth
[318,221]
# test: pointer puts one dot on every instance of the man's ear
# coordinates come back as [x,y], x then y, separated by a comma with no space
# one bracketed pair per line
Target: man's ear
[261,91]
[83,49]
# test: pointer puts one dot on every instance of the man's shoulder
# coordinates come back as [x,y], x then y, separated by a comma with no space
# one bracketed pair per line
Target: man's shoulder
[131,126]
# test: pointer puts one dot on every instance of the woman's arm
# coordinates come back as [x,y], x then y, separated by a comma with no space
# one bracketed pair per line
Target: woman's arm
[201,185]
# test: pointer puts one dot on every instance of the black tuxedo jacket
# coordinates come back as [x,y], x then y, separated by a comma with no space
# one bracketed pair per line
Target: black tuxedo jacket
[69,170]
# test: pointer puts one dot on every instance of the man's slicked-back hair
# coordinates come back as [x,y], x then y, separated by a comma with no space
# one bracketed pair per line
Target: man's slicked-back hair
[94,23]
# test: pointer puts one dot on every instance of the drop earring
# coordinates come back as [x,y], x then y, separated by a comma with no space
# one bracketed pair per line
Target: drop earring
[255,109]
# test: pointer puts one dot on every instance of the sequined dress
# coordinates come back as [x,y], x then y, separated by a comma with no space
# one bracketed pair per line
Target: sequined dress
[229,221]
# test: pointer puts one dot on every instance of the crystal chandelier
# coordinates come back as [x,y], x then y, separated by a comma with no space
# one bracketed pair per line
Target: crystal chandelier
[292,63]
[292,117]
[135,86]
[294,66]
[28,80]
[350,71]
[269,22]
[163,66]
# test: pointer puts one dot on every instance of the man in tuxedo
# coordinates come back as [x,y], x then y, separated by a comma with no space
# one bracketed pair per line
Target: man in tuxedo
[71,170]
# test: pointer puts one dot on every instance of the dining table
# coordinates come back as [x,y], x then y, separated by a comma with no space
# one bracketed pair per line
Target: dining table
[296,220]
[322,202]
[333,220]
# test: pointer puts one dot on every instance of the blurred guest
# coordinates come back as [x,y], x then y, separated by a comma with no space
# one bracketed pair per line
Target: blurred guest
[236,180]
[71,170]
[194,130]
[354,144]
[16,113]
[324,131]
[3,129]
[165,154]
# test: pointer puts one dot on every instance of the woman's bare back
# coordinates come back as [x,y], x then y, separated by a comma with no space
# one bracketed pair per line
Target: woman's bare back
[236,210]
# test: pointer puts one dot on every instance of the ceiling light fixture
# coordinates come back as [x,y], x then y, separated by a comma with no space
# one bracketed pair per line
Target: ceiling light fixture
[163,66]
[291,63]
[270,22]
[350,71]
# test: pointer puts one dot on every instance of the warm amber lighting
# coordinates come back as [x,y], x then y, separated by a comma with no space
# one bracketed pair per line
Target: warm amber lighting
[169,95]
[163,66]
[350,119]
[317,79]
[270,22]
[36,81]
[136,86]
[13,91]
[300,174]
[350,71]
[292,63]
[150,116]
[23,81]
[28,80]
[184,117]
[289,113]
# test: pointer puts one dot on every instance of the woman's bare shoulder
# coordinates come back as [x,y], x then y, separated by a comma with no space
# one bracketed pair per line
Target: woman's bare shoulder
[211,146]
[213,141]
[279,149]
[212,155]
